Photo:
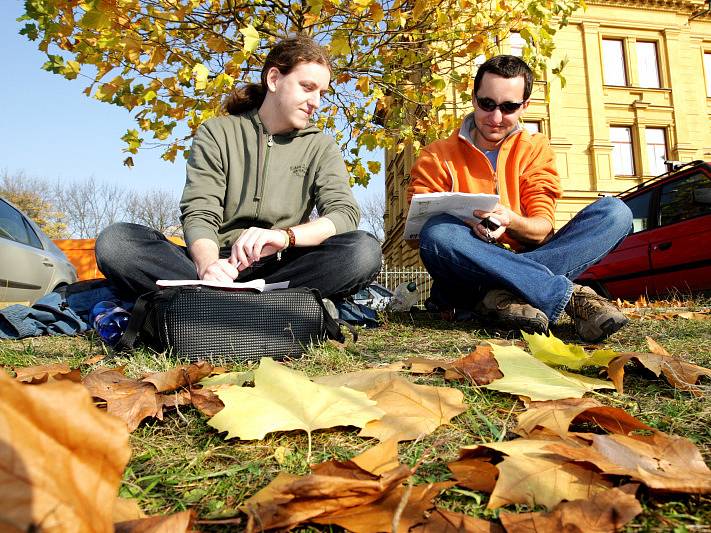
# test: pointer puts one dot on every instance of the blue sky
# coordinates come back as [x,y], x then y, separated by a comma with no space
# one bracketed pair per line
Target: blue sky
[50,129]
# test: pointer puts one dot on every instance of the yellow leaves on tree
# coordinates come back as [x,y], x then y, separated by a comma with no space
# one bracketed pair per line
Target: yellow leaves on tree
[408,54]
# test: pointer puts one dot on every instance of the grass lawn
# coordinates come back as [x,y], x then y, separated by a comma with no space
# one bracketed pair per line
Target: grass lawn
[183,463]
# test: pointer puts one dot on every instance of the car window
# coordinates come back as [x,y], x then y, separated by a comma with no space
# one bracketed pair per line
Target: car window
[382,292]
[13,227]
[34,240]
[685,198]
[639,205]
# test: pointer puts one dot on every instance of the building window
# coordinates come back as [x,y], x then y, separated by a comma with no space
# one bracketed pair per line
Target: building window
[613,60]
[707,68]
[656,150]
[622,152]
[647,65]
[516,44]
[533,126]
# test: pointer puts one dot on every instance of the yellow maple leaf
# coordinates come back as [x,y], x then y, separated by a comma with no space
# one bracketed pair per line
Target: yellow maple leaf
[200,72]
[251,38]
[527,376]
[552,350]
[283,399]
[340,45]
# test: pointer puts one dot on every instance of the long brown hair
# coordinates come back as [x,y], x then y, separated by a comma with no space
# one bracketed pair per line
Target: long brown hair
[284,56]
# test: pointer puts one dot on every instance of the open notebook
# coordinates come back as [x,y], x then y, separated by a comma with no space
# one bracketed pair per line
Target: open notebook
[257,285]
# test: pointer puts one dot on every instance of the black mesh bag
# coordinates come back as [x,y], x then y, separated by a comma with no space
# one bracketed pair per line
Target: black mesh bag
[202,323]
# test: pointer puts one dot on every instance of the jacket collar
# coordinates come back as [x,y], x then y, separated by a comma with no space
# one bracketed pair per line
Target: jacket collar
[468,125]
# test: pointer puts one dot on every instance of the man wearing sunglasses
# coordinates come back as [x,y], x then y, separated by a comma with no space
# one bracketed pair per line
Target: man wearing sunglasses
[526,281]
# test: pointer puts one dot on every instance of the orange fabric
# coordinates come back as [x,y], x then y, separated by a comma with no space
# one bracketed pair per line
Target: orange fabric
[528,181]
[80,253]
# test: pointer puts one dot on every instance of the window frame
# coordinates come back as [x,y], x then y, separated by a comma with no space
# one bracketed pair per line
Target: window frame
[665,136]
[658,71]
[706,62]
[623,56]
[633,151]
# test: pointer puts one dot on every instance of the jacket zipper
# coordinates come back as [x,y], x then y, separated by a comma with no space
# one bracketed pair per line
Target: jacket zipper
[262,163]
[495,172]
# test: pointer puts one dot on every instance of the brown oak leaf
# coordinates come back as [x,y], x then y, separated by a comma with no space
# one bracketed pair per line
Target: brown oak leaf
[443,521]
[182,376]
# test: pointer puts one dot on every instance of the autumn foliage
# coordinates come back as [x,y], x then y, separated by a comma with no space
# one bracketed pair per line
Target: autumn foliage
[400,63]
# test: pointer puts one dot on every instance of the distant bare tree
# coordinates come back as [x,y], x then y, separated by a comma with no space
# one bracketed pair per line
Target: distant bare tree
[35,198]
[90,206]
[157,209]
[372,212]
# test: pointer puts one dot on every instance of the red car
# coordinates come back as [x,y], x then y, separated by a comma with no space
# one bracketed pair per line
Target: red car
[669,250]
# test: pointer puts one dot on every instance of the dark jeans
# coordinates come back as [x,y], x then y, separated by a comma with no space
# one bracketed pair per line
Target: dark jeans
[134,257]
[464,268]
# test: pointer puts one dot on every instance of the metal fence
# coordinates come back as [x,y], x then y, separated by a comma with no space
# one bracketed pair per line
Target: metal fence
[391,277]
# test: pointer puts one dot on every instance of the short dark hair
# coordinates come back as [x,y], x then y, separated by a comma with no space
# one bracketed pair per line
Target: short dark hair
[285,55]
[507,67]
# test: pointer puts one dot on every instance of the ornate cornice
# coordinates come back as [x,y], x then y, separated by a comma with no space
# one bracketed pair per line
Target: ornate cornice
[680,6]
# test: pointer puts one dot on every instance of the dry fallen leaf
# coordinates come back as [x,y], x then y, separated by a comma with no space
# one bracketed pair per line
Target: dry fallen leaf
[182,376]
[61,458]
[443,521]
[605,512]
[411,410]
[227,378]
[662,462]
[479,367]
[378,516]
[476,473]
[33,375]
[557,416]
[333,487]
[525,375]
[283,399]
[206,401]
[531,474]
[679,373]
[128,399]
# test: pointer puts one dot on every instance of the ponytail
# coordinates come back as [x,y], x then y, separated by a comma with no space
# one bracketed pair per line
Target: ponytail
[244,98]
[284,56]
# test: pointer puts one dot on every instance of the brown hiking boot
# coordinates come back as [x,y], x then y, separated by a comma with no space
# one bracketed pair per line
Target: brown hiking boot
[508,311]
[595,317]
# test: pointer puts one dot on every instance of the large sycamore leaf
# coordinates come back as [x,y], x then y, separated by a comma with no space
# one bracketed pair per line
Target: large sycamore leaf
[61,458]
[527,376]
[283,399]
[476,473]
[557,415]
[605,512]
[411,410]
[532,475]
[551,350]
[174,523]
[679,373]
[333,488]
[662,462]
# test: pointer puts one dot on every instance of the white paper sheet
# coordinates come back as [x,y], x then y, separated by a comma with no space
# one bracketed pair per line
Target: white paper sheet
[458,204]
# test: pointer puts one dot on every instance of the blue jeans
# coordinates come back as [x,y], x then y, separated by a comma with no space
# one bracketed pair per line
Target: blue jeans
[464,267]
[134,257]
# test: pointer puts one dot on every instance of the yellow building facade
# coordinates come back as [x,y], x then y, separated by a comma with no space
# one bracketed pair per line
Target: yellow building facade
[638,91]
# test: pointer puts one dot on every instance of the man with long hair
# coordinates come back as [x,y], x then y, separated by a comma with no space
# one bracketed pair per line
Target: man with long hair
[253,178]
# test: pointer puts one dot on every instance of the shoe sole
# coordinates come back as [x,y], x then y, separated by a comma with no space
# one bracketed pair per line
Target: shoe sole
[529,325]
[609,327]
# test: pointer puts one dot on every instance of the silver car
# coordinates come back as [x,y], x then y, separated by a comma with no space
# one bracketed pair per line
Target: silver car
[31,265]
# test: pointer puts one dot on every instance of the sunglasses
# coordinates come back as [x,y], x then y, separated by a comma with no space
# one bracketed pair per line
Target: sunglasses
[487,104]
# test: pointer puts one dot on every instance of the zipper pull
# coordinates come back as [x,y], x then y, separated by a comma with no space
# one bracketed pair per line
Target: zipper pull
[270,140]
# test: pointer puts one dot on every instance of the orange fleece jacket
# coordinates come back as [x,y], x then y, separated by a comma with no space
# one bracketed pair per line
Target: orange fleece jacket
[527,178]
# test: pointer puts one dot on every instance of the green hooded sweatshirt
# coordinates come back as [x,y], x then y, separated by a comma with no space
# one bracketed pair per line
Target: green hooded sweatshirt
[239,176]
